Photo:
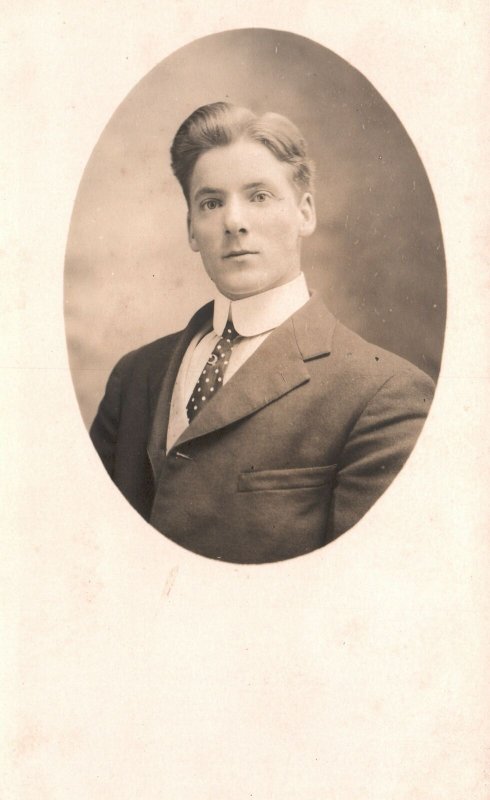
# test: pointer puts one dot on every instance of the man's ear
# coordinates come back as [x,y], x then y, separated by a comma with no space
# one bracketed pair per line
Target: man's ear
[190,234]
[308,215]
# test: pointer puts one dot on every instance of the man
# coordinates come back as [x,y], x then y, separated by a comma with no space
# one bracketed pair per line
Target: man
[266,428]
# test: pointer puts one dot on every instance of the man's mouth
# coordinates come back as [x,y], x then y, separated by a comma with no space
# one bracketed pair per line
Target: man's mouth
[236,253]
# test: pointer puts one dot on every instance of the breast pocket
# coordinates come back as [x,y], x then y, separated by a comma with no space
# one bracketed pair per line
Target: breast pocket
[284,512]
[284,479]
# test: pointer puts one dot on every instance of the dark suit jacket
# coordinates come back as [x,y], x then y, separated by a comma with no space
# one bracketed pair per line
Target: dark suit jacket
[289,454]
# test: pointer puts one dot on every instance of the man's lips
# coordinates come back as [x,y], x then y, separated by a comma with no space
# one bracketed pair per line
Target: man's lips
[236,253]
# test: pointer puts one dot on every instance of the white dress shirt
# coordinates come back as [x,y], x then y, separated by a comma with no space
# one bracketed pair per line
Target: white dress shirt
[254,319]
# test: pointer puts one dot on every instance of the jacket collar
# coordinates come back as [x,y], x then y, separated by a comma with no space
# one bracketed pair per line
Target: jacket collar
[314,326]
[276,368]
[161,383]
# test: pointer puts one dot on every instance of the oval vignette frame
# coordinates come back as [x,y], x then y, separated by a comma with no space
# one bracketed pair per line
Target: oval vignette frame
[377,258]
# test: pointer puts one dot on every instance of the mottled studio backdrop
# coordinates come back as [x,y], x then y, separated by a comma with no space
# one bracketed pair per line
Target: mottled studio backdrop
[377,256]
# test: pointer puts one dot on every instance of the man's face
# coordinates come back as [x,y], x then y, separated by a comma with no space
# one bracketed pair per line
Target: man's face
[246,218]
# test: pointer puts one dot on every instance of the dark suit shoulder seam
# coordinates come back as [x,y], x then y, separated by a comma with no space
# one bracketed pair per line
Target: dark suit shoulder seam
[408,370]
[374,395]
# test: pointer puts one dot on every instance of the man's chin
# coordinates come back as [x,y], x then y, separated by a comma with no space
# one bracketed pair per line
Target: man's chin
[241,294]
[243,291]
[239,289]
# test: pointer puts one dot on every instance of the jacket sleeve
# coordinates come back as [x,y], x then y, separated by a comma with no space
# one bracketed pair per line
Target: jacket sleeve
[104,428]
[378,446]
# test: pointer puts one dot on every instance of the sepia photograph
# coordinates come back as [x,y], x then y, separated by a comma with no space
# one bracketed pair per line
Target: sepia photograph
[286,193]
[244,347]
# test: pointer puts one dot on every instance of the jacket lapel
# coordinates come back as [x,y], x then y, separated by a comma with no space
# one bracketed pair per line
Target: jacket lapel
[276,368]
[161,383]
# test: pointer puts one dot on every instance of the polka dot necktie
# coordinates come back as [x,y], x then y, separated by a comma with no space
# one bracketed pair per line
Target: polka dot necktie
[211,377]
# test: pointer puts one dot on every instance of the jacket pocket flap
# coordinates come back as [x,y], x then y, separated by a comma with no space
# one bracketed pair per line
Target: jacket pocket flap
[298,478]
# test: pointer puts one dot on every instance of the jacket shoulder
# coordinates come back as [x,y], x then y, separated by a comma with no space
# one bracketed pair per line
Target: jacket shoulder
[361,360]
[146,355]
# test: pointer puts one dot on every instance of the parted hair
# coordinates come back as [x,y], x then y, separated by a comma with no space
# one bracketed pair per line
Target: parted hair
[219,124]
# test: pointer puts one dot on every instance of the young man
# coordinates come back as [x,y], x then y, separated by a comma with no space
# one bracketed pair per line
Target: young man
[266,428]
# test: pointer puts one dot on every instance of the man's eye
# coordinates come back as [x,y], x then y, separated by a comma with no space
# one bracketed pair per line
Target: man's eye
[210,205]
[260,197]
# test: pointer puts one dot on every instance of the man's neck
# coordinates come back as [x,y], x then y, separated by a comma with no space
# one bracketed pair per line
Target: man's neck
[261,312]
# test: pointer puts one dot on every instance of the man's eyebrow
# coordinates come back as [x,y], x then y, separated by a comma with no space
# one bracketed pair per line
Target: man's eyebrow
[203,190]
[206,190]
[254,184]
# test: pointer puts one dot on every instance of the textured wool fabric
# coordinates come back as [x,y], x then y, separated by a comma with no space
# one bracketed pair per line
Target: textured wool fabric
[297,446]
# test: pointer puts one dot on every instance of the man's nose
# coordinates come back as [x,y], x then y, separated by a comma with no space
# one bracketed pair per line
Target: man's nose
[235,217]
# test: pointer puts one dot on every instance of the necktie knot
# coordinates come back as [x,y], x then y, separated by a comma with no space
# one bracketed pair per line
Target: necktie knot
[229,332]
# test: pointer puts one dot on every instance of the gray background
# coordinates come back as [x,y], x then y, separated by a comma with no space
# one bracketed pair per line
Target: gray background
[377,255]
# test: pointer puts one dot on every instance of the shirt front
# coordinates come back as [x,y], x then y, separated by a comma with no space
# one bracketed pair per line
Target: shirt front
[254,319]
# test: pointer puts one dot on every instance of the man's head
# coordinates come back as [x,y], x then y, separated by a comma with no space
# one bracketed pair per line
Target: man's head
[247,182]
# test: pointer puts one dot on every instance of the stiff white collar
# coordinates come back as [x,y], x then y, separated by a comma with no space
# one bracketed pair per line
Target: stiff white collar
[261,312]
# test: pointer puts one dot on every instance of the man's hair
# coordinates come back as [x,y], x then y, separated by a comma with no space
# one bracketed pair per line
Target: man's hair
[220,124]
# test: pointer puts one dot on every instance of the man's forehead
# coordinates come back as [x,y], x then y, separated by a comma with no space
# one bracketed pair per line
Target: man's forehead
[241,165]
